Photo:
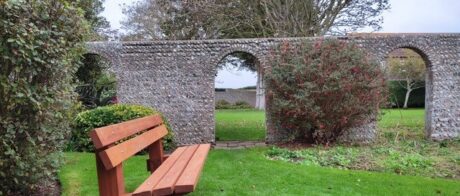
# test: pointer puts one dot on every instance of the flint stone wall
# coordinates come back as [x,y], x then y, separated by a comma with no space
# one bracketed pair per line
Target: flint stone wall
[177,78]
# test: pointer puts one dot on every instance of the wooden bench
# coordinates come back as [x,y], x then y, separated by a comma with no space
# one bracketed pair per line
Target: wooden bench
[177,173]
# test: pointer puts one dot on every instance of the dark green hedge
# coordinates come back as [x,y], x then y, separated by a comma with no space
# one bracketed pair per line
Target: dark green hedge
[398,93]
[107,115]
[223,104]
[41,43]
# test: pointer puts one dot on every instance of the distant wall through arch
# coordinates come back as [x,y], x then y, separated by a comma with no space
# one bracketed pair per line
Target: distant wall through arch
[234,95]
[260,87]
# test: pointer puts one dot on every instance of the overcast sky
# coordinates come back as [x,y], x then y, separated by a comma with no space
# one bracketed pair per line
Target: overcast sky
[431,16]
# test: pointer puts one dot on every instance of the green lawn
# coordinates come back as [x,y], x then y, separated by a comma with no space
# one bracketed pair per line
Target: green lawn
[408,118]
[240,125]
[243,125]
[249,172]
[246,124]
[407,124]
[315,171]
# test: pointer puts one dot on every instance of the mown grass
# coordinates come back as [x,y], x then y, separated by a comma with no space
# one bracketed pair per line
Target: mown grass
[248,172]
[242,125]
[246,124]
[407,164]
[410,121]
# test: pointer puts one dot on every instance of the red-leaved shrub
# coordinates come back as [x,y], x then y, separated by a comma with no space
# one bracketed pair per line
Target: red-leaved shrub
[319,90]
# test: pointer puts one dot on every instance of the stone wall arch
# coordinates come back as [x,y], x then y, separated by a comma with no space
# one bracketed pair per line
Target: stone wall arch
[427,55]
[245,49]
[108,50]
[260,69]
[261,99]
[424,51]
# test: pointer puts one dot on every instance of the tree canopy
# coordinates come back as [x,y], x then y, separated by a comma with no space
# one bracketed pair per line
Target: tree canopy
[98,24]
[214,19]
[223,19]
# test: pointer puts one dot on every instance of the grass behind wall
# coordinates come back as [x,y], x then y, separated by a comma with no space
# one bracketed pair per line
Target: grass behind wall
[247,124]
[241,125]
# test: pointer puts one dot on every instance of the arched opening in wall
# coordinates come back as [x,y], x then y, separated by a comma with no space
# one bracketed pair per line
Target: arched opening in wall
[239,98]
[409,81]
[96,84]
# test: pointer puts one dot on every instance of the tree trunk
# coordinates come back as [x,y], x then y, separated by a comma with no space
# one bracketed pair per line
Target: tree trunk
[409,90]
[407,99]
[260,92]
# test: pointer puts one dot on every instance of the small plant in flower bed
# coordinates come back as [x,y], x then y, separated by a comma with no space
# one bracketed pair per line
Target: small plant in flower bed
[107,115]
[400,163]
[319,90]
[424,159]
[340,157]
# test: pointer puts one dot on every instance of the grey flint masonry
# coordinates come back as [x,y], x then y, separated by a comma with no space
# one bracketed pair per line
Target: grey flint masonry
[177,78]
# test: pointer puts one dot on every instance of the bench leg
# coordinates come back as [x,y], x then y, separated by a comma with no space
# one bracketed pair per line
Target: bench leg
[155,156]
[111,181]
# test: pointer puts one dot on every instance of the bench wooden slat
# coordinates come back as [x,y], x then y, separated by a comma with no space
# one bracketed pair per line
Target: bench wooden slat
[147,186]
[188,181]
[166,184]
[113,156]
[104,136]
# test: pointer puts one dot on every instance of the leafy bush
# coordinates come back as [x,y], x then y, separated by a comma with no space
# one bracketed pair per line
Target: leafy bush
[40,45]
[242,105]
[223,104]
[319,90]
[107,115]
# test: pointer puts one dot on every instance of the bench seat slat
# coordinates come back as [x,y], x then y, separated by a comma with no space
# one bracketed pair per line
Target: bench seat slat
[115,155]
[166,184]
[147,186]
[189,178]
[107,135]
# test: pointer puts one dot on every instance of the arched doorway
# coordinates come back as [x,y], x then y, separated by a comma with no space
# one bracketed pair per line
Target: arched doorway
[239,98]
[96,84]
[410,82]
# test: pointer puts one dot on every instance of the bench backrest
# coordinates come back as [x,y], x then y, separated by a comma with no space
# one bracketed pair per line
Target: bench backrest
[136,135]
[116,143]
